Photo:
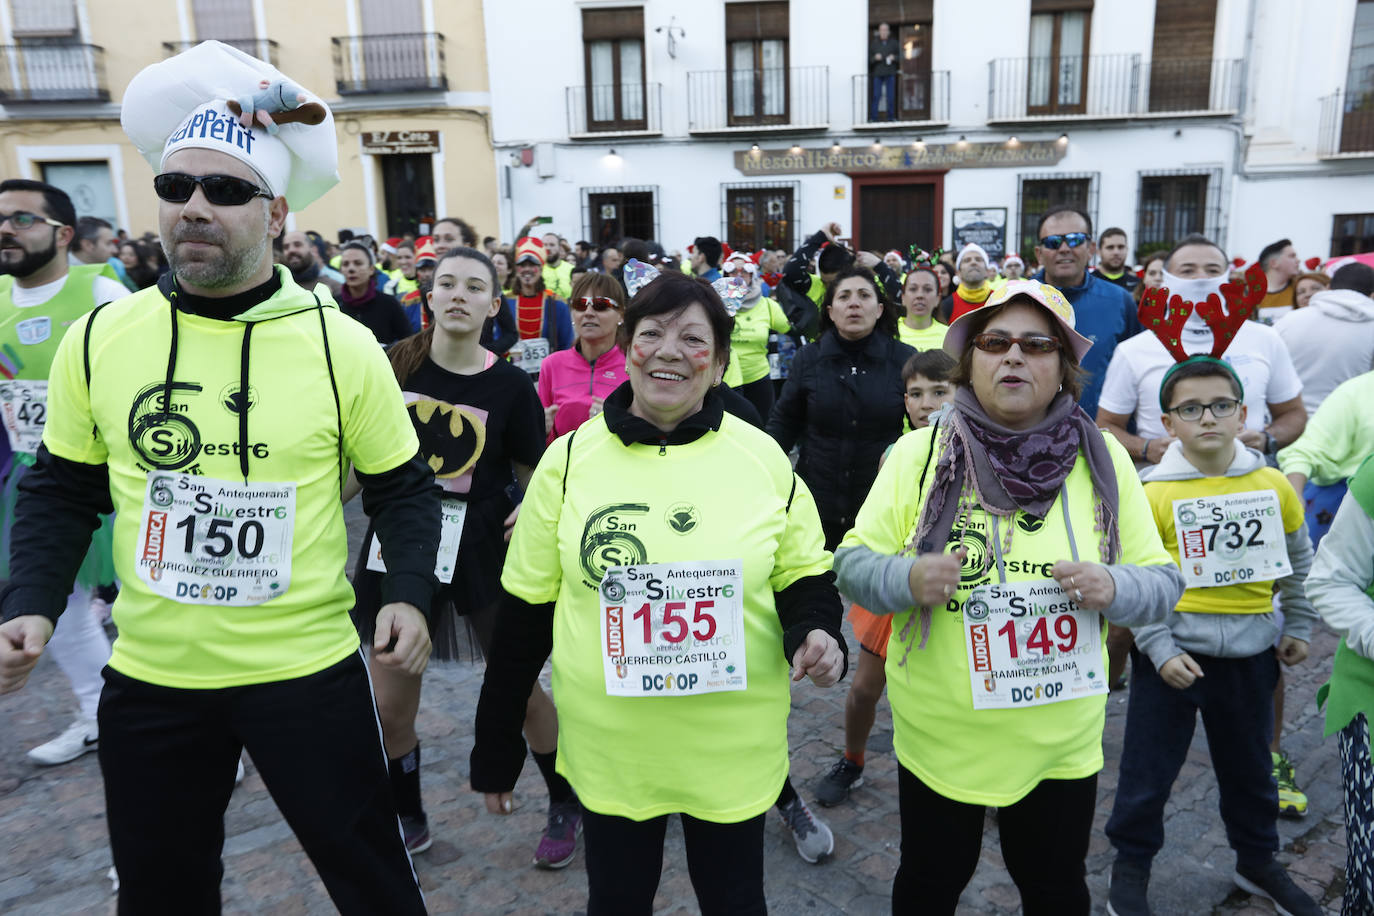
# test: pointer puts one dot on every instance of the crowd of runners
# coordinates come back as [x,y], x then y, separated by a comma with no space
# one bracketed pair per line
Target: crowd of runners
[1027,481]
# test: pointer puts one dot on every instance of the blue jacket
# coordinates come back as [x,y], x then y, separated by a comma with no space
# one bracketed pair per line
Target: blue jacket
[557,329]
[1105,314]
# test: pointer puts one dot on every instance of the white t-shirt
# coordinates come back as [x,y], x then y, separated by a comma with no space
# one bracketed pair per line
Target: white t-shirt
[104,289]
[1137,368]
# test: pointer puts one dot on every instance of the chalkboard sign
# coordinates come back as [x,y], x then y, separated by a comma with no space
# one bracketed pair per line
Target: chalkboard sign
[983,226]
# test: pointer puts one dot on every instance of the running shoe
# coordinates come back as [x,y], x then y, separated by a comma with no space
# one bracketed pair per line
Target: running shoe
[81,736]
[559,842]
[1272,883]
[1127,889]
[416,830]
[813,838]
[834,786]
[1292,800]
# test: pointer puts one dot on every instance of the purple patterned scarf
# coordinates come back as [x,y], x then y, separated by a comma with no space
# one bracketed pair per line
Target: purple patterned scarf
[1013,470]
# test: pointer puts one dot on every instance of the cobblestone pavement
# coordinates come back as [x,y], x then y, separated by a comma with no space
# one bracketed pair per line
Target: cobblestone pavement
[52,827]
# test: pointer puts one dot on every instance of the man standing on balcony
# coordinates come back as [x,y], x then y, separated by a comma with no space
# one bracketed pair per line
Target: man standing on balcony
[1280,263]
[1103,312]
[882,73]
[1111,263]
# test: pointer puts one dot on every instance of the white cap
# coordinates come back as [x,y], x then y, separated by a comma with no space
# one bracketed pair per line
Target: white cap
[180,103]
[975,249]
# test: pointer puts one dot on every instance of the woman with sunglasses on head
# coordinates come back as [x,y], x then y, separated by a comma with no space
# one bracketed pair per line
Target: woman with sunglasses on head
[758,316]
[843,400]
[574,383]
[1011,527]
[481,429]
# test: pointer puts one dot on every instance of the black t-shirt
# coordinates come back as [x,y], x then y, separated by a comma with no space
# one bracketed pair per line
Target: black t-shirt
[383,316]
[471,429]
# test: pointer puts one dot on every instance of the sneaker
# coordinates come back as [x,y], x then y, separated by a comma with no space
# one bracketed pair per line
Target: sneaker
[834,786]
[559,842]
[1292,800]
[1127,889]
[81,736]
[813,838]
[1272,883]
[416,830]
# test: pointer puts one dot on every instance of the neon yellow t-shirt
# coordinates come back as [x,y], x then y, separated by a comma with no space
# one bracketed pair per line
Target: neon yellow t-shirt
[991,756]
[1245,597]
[931,338]
[292,431]
[749,341]
[718,756]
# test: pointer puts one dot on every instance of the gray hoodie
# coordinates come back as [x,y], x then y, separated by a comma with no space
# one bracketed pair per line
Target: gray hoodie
[1230,635]
[1330,341]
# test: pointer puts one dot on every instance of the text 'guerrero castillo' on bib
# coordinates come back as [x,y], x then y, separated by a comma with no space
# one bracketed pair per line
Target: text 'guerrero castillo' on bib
[1232,538]
[208,541]
[671,629]
[1029,645]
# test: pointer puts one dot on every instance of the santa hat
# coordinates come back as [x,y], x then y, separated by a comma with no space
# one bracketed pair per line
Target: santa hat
[529,248]
[424,252]
[739,260]
[971,248]
[192,100]
[1013,258]
[391,244]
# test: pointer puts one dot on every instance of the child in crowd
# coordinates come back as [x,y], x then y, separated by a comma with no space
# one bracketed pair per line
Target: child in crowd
[928,389]
[1234,525]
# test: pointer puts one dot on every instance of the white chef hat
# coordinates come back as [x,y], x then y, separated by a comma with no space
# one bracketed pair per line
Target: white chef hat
[180,103]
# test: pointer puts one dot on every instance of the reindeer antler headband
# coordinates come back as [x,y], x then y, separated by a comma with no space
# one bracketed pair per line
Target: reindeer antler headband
[922,258]
[1164,316]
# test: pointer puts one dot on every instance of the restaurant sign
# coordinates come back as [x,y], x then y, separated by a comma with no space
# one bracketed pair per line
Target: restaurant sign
[394,142]
[908,156]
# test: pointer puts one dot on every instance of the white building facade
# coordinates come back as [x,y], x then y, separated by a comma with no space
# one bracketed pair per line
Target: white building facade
[1248,120]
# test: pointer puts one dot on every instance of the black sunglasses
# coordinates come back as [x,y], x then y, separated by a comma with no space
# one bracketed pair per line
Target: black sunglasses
[1031,343]
[1072,239]
[597,303]
[220,190]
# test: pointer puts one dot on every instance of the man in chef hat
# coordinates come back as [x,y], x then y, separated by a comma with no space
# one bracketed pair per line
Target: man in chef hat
[218,413]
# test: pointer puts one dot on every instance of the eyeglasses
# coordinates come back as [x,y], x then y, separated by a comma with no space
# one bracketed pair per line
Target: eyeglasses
[23,219]
[1037,344]
[1072,239]
[1220,409]
[220,190]
[597,303]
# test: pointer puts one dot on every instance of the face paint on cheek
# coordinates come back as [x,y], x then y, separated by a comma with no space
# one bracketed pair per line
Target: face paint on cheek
[700,359]
[639,355]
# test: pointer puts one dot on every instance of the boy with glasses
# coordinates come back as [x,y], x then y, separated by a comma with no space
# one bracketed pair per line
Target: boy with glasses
[1233,524]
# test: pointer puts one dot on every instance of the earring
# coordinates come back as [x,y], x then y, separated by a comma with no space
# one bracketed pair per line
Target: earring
[1061,386]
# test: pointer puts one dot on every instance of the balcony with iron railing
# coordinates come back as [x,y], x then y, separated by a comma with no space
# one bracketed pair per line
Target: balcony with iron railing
[776,99]
[36,73]
[1111,86]
[403,62]
[922,98]
[261,48]
[1347,119]
[615,109]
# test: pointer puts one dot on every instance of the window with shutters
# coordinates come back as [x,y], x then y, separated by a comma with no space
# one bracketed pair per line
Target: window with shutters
[1057,71]
[1352,233]
[910,23]
[1171,207]
[1181,58]
[758,218]
[613,52]
[43,19]
[756,55]
[1357,121]
[1041,192]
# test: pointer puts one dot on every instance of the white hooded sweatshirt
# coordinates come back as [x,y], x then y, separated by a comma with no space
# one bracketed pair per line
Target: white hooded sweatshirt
[1330,341]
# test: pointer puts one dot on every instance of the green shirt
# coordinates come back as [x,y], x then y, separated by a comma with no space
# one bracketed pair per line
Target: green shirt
[293,431]
[718,756]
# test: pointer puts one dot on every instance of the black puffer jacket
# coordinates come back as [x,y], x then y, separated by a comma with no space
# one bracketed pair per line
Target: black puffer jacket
[844,411]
